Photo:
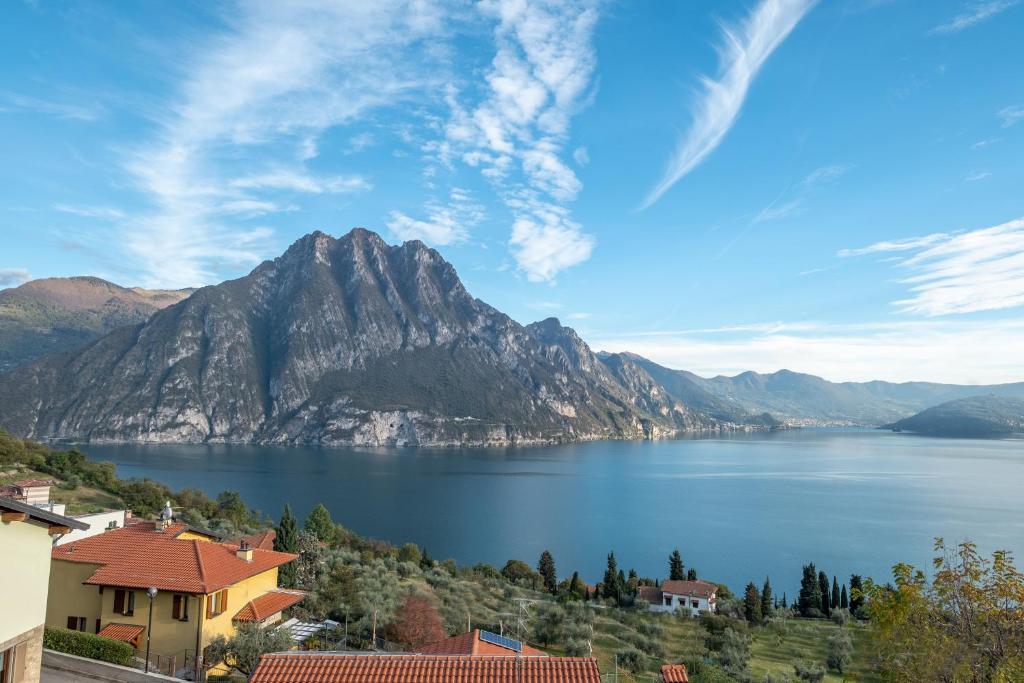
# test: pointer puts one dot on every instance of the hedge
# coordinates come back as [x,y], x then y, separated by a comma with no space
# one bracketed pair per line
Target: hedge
[88,645]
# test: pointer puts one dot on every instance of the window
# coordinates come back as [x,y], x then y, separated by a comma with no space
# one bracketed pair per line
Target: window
[124,602]
[75,624]
[179,610]
[216,603]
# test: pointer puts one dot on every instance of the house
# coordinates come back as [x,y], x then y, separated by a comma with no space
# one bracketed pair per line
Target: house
[36,492]
[674,673]
[478,642]
[32,491]
[671,596]
[26,537]
[293,667]
[203,588]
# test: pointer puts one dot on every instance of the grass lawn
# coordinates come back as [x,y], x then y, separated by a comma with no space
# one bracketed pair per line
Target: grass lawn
[775,649]
[79,500]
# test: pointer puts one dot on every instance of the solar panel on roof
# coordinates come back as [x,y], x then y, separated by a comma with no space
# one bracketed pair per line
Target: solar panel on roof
[501,641]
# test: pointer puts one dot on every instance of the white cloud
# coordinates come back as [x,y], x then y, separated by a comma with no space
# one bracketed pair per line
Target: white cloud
[11,101]
[12,277]
[539,77]
[964,272]
[977,175]
[980,352]
[275,79]
[358,143]
[791,201]
[975,13]
[980,144]
[581,156]
[106,213]
[445,223]
[1011,115]
[742,52]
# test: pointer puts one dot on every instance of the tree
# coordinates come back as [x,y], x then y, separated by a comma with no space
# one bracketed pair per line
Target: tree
[377,596]
[966,624]
[417,623]
[823,589]
[809,601]
[834,603]
[320,524]
[243,650]
[844,600]
[286,540]
[548,575]
[675,566]
[809,671]
[609,586]
[766,599]
[752,604]
[856,593]
[231,507]
[517,571]
[784,601]
[425,561]
[410,552]
[734,653]
[691,574]
[840,650]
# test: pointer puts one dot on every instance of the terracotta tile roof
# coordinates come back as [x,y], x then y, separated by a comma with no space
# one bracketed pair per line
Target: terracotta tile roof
[470,644]
[33,483]
[263,540]
[698,589]
[124,632]
[137,556]
[651,594]
[268,604]
[311,667]
[674,673]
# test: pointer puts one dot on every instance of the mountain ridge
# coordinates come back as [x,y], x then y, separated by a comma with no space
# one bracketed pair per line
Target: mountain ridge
[974,416]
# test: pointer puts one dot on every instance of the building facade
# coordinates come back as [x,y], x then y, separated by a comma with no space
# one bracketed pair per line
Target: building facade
[673,596]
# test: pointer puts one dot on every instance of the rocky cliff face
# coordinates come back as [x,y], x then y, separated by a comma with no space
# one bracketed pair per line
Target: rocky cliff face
[340,341]
[56,314]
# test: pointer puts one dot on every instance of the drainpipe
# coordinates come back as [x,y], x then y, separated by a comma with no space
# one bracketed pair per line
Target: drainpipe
[199,637]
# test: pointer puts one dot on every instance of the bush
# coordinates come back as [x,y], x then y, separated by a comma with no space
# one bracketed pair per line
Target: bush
[88,645]
[631,660]
[811,672]
[840,651]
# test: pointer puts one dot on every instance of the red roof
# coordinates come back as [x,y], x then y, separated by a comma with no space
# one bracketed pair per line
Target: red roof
[651,594]
[470,644]
[268,605]
[674,673]
[126,633]
[138,556]
[313,667]
[263,540]
[33,483]
[695,589]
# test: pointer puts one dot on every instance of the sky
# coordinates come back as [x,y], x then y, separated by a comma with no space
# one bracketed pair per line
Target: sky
[832,187]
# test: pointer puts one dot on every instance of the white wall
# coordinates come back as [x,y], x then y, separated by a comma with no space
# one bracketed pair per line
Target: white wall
[24,575]
[97,525]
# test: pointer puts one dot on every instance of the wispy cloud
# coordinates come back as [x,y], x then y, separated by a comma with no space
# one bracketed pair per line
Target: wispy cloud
[446,223]
[266,88]
[743,50]
[105,213]
[981,144]
[964,272]
[975,13]
[539,77]
[12,102]
[1011,115]
[977,175]
[12,277]
[792,200]
[975,352]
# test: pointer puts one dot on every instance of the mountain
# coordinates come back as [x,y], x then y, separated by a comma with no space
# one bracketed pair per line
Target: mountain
[341,341]
[57,314]
[975,416]
[799,399]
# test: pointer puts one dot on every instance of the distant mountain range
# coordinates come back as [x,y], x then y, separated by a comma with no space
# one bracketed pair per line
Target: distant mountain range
[976,416]
[354,341]
[57,314]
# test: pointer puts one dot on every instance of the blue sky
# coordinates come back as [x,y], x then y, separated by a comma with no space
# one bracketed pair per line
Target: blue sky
[833,187]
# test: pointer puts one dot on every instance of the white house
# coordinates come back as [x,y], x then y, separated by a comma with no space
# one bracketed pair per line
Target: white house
[671,596]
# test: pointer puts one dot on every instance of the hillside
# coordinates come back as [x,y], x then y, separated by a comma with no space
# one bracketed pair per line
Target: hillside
[976,416]
[341,341]
[57,314]
[801,399]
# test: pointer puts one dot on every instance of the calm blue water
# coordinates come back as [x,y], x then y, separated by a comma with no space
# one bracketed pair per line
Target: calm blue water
[739,508]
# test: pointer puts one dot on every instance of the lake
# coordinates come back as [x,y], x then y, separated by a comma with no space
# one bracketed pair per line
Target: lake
[739,508]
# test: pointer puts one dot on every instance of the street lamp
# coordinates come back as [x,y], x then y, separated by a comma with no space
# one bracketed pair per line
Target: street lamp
[151,592]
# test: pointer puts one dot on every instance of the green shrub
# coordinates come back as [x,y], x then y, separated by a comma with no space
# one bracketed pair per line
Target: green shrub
[88,645]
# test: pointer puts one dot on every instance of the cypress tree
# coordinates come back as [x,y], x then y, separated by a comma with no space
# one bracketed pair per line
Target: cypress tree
[784,605]
[856,594]
[835,594]
[608,586]
[691,574]
[320,524]
[620,586]
[810,591]
[844,601]
[675,566]
[425,561]
[286,540]
[825,600]
[766,599]
[546,569]
[574,584]
[752,604]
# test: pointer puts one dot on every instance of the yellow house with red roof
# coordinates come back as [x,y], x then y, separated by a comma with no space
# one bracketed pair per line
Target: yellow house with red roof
[204,588]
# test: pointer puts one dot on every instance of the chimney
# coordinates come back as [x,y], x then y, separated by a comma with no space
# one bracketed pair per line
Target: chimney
[244,551]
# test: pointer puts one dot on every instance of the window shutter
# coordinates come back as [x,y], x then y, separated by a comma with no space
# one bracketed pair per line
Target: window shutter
[118,602]
[20,655]
[224,601]
[176,608]
[131,603]
[73,623]
[209,605]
